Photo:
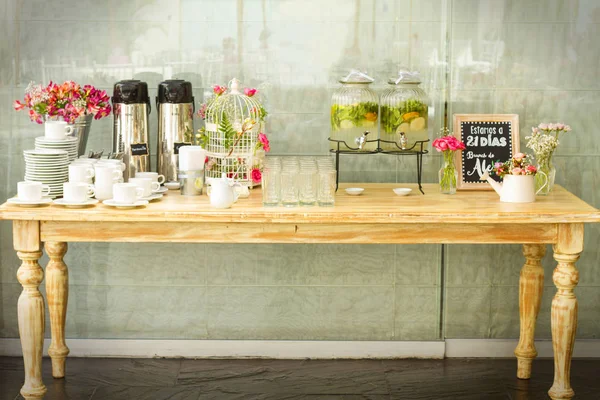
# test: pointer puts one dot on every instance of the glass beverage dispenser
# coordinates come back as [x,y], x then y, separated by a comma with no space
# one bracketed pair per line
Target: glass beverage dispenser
[354,110]
[404,108]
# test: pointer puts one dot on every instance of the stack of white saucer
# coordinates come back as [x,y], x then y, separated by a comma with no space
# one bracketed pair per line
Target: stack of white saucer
[50,167]
[69,144]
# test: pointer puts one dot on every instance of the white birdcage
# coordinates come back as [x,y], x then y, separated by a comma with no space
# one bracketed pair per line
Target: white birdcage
[233,122]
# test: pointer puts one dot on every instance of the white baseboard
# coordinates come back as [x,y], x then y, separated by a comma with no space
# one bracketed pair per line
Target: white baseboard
[292,349]
[505,348]
[288,349]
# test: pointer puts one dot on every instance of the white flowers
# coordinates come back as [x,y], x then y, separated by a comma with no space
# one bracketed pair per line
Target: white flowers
[544,140]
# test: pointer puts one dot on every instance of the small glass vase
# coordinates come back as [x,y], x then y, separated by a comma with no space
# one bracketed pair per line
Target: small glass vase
[545,165]
[448,174]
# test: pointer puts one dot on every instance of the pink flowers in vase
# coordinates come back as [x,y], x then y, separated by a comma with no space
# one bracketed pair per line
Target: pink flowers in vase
[68,101]
[250,92]
[518,165]
[448,143]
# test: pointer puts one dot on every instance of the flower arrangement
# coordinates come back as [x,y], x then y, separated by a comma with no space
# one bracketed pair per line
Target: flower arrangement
[68,101]
[232,135]
[518,165]
[448,144]
[544,141]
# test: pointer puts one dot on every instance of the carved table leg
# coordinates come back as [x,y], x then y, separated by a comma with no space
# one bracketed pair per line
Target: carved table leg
[564,308]
[26,239]
[531,285]
[57,293]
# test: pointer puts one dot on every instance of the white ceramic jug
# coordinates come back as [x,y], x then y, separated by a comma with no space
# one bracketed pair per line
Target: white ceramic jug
[222,192]
[516,188]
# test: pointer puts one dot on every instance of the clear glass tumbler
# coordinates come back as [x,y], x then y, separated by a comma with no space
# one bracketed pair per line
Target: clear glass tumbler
[309,186]
[271,187]
[326,195]
[289,188]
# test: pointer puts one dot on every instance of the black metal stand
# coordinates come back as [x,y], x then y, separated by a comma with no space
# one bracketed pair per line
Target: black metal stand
[416,149]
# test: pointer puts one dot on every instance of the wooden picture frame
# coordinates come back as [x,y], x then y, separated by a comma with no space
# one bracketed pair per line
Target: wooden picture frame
[500,145]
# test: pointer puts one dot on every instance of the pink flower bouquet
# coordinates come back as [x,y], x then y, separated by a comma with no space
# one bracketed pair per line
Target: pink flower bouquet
[68,101]
[518,165]
[448,144]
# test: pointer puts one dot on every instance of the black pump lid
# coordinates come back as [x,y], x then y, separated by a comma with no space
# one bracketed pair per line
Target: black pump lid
[130,92]
[175,91]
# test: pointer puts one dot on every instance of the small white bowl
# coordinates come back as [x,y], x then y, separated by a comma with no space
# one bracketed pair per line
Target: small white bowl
[402,191]
[354,191]
[172,185]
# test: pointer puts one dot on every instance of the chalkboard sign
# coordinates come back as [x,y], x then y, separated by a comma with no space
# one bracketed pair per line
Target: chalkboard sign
[488,138]
[139,149]
[178,145]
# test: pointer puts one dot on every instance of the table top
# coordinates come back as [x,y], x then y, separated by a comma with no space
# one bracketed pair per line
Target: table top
[377,204]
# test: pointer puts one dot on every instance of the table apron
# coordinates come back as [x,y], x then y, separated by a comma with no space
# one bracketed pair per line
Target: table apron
[249,232]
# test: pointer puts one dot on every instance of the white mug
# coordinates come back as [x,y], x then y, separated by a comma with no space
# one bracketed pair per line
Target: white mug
[32,191]
[57,130]
[153,175]
[115,163]
[81,172]
[147,184]
[77,192]
[127,193]
[106,177]
[89,161]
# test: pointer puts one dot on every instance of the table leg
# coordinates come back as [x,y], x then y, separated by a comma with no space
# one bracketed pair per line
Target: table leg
[57,293]
[531,285]
[564,307]
[26,241]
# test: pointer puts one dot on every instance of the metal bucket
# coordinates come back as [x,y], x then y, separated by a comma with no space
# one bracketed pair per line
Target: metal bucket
[81,130]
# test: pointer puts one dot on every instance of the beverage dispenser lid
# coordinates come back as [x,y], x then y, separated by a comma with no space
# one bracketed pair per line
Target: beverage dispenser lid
[175,91]
[357,76]
[130,92]
[405,76]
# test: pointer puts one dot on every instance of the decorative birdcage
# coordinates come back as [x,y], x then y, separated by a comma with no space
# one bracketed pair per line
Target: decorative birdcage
[233,121]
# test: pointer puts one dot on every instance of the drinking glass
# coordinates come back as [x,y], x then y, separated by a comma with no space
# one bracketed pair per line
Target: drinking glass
[289,187]
[271,186]
[326,196]
[308,187]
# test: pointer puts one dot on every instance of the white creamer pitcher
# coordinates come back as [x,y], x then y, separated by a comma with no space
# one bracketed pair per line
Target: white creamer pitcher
[222,192]
[516,188]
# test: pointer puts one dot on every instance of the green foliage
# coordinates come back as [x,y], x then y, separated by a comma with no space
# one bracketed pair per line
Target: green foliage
[227,130]
[356,113]
[392,117]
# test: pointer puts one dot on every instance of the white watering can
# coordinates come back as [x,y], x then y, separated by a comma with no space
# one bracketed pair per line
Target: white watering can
[515,188]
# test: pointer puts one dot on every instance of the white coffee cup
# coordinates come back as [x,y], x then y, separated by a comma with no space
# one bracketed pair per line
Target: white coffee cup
[89,161]
[115,163]
[153,175]
[77,192]
[81,172]
[106,177]
[57,130]
[127,193]
[147,184]
[32,191]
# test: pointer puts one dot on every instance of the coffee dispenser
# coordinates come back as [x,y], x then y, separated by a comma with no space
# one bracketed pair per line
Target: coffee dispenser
[175,105]
[131,134]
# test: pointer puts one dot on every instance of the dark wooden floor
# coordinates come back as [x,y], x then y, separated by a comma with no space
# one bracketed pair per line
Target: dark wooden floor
[175,379]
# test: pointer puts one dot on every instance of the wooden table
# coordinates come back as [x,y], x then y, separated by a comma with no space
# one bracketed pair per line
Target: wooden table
[377,216]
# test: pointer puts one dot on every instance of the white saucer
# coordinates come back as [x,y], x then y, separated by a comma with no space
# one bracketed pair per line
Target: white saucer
[161,190]
[355,191]
[30,203]
[63,202]
[138,203]
[172,185]
[402,191]
[153,197]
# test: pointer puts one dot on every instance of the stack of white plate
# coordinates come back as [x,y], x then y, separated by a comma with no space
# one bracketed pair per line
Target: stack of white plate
[69,144]
[50,167]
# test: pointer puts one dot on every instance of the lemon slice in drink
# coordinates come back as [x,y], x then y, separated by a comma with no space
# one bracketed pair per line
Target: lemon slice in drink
[417,124]
[346,124]
[405,127]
